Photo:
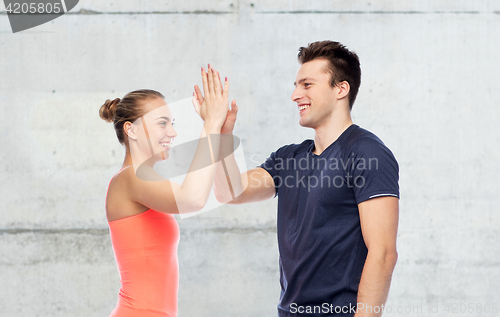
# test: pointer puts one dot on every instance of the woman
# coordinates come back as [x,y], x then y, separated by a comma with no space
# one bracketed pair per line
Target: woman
[143,231]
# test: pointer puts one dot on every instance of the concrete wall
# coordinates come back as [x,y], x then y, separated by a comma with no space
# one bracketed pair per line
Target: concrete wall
[429,91]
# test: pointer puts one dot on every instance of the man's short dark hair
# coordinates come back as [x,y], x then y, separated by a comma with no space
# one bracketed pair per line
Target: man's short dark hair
[343,65]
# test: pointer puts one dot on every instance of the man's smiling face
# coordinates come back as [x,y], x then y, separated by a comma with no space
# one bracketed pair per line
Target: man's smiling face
[313,94]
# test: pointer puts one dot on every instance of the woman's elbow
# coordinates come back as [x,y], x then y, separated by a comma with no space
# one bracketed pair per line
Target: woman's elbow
[191,204]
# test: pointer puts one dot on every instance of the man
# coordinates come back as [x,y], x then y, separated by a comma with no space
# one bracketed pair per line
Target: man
[337,195]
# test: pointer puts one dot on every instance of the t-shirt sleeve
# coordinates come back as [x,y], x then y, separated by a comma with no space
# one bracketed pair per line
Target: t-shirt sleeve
[270,165]
[375,171]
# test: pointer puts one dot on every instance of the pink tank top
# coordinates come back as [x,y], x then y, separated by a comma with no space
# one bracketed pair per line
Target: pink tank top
[145,249]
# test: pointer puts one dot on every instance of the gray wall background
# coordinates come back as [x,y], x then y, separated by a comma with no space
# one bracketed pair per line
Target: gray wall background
[429,91]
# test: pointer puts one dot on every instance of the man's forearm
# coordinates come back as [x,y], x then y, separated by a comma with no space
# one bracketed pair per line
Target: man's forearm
[228,183]
[375,283]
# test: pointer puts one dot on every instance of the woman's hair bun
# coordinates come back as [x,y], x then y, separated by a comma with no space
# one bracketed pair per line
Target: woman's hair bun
[108,109]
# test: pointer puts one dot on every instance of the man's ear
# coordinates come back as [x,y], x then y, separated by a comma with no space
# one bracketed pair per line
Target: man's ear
[131,130]
[344,89]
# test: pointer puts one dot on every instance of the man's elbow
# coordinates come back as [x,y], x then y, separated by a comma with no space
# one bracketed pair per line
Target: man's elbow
[386,257]
[392,258]
[221,197]
[226,196]
[221,193]
[227,200]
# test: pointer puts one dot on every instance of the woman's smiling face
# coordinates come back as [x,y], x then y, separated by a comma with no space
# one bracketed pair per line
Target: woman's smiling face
[155,128]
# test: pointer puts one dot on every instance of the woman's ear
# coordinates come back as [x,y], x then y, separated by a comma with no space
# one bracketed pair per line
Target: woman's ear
[131,130]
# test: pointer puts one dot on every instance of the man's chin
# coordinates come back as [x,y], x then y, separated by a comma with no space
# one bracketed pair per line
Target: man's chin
[305,124]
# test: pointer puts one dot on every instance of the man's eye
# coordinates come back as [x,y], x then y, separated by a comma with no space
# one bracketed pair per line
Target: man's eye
[307,84]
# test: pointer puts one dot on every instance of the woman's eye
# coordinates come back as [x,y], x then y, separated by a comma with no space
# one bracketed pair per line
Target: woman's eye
[164,123]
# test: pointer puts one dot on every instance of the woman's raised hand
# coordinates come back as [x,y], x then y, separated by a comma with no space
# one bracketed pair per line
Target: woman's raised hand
[213,106]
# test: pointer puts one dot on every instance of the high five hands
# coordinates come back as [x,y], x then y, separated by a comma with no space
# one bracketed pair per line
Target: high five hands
[208,107]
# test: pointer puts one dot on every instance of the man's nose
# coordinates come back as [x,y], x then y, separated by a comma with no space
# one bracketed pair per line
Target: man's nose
[296,95]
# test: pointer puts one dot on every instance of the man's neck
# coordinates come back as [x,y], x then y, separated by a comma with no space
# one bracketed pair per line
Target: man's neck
[329,132]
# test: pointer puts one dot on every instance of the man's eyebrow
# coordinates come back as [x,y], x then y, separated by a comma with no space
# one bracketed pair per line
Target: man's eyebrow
[303,80]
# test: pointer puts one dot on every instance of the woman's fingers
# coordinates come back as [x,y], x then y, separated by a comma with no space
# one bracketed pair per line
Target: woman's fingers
[217,84]
[211,84]
[222,85]
[218,78]
[225,93]
[213,103]
[210,76]
[204,80]
[196,104]
[199,95]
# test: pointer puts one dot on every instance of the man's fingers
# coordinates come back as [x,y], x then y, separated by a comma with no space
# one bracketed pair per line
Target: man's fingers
[234,110]
[234,107]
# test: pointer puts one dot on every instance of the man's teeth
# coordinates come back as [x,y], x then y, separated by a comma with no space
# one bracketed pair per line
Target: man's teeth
[304,107]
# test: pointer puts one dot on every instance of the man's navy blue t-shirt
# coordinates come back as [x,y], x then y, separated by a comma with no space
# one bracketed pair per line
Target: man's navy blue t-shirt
[321,247]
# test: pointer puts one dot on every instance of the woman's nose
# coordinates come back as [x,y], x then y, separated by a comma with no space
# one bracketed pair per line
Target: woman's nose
[172,133]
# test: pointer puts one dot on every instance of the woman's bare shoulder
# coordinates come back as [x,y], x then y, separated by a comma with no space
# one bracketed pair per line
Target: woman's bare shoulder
[119,203]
